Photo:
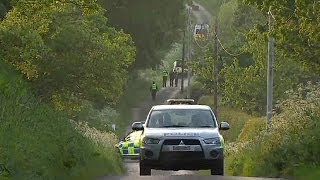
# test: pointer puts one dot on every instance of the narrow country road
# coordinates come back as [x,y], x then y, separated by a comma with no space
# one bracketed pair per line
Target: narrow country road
[139,114]
[202,15]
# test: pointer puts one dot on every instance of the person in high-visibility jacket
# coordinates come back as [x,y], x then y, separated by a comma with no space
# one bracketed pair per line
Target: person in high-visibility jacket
[130,146]
[153,90]
[164,78]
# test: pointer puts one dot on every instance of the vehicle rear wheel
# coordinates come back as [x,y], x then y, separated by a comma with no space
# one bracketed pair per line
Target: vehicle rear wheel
[218,169]
[144,170]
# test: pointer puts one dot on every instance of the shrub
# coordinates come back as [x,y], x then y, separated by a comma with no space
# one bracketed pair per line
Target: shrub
[37,142]
[291,142]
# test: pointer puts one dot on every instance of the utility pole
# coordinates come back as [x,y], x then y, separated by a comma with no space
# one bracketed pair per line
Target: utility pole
[183,55]
[189,52]
[270,70]
[215,69]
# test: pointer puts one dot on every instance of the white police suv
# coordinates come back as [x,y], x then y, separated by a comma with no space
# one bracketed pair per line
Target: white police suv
[182,137]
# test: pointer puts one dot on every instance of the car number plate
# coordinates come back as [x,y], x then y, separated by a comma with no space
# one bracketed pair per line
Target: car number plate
[182,148]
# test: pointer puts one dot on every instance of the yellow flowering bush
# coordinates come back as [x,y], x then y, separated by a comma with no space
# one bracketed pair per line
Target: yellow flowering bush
[292,141]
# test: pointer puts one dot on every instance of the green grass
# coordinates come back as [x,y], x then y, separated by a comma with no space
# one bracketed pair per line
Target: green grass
[290,148]
[37,142]
[236,118]
[242,126]
[307,173]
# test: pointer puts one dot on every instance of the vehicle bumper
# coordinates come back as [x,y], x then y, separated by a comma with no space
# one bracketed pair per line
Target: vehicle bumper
[208,158]
[131,156]
[200,164]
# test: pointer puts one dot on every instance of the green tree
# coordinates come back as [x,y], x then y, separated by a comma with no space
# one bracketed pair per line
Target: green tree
[296,29]
[243,78]
[153,24]
[67,51]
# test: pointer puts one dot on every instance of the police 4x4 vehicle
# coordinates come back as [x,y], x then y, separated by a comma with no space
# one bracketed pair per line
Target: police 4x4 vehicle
[182,137]
[129,147]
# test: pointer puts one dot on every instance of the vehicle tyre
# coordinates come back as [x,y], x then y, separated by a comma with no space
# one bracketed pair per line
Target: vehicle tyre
[219,168]
[144,170]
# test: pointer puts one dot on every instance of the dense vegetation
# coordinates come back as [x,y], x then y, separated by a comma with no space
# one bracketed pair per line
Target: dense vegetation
[291,146]
[243,32]
[65,72]
[38,142]
[154,25]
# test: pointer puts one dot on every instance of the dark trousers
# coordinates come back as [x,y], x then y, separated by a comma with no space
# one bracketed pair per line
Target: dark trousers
[176,81]
[153,95]
[164,82]
[171,82]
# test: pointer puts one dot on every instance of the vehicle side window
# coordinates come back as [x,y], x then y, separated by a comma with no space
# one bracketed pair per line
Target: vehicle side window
[127,138]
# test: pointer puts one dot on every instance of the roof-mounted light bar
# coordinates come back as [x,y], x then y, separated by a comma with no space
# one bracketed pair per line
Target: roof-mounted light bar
[180,101]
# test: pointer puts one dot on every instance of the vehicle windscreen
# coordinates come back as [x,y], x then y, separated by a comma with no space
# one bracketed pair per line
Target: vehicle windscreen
[181,118]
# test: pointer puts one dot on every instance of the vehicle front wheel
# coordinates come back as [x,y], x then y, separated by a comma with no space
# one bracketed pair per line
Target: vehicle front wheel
[144,171]
[218,169]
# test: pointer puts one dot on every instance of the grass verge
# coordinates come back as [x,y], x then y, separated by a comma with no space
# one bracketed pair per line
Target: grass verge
[289,148]
[236,118]
[37,142]
[239,122]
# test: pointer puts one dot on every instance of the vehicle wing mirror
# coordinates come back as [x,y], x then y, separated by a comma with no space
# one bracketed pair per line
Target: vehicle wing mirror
[224,126]
[137,126]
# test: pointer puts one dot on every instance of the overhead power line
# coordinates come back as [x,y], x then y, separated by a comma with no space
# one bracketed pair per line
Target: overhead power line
[202,47]
[231,54]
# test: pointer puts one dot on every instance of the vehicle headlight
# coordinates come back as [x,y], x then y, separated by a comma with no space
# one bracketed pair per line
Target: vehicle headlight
[213,141]
[147,140]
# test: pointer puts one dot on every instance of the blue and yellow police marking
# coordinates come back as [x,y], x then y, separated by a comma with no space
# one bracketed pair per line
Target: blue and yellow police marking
[132,145]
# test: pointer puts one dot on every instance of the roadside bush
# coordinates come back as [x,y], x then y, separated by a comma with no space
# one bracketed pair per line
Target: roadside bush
[291,144]
[37,142]
[206,100]
[251,129]
[238,121]
[236,118]
[101,119]
[237,138]
[197,91]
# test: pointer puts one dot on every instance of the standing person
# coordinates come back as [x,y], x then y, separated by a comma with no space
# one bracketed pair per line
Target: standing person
[176,78]
[164,78]
[153,90]
[171,76]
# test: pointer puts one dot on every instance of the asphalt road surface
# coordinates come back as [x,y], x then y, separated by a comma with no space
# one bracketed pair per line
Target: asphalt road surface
[139,114]
[202,15]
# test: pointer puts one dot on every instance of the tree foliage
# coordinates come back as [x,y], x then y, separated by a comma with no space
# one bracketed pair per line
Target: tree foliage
[67,50]
[243,28]
[154,25]
[296,28]
[5,6]
[38,142]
